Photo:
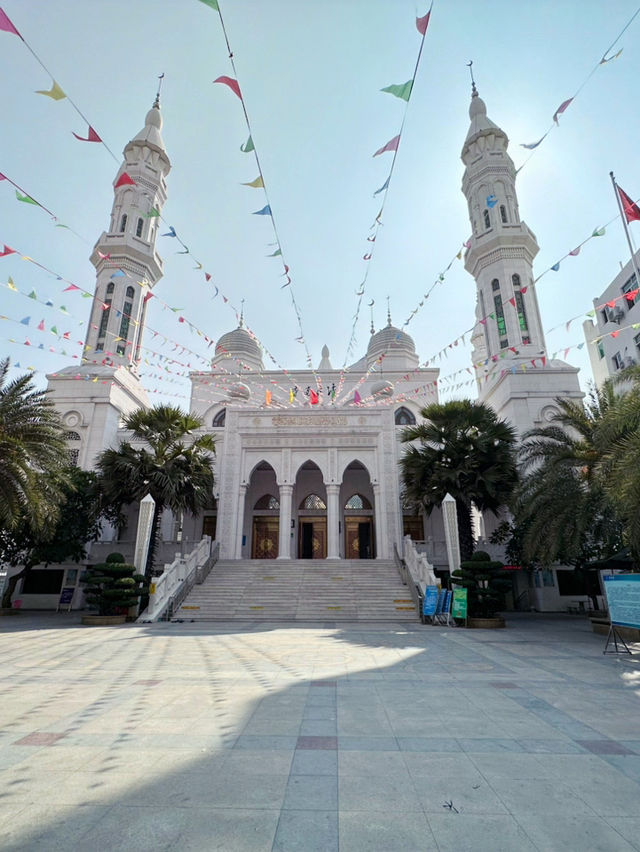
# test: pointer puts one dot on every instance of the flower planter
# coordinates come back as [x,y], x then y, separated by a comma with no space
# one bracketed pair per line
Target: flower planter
[487,623]
[103,620]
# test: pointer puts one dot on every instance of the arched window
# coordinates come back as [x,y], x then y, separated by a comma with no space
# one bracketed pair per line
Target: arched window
[130,293]
[487,220]
[267,501]
[219,419]
[404,417]
[123,223]
[522,314]
[109,288]
[312,501]
[503,213]
[71,436]
[357,501]
[139,227]
[495,285]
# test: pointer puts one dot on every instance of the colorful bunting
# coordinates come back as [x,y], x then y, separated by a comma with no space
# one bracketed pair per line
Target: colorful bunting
[491,201]
[25,321]
[384,186]
[11,285]
[599,232]
[55,92]
[213,4]
[170,233]
[575,252]
[276,253]
[392,145]
[258,183]
[357,398]
[266,211]
[423,23]
[248,146]
[152,213]
[556,266]
[400,90]
[533,145]
[313,397]
[561,109]
[231,83]
[6,249]
[6,25]
[91,137]
[606,58]
[124,180]
[26,198]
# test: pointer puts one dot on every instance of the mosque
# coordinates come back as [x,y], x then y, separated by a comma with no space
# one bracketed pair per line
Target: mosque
[307,461]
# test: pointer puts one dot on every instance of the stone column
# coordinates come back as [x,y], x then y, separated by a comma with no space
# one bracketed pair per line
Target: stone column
[242,494]
[379,521]
[333,518]
[284,543]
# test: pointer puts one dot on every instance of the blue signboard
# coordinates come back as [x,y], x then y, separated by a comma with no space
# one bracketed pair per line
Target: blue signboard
[66,596]
[446,606]
[430,601]
[441,596]
[623,597]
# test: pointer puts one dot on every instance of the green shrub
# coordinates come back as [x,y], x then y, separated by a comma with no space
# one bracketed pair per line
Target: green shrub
[113,586]
[485,582]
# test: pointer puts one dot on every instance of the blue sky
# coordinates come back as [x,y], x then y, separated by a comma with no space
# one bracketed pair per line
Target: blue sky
[311,75]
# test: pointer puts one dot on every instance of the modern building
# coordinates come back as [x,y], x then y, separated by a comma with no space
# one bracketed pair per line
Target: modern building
[307,460]
[613,336]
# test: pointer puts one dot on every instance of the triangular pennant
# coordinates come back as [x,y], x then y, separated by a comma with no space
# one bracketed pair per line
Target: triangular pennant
[423,23]
[55,92]
[392,145]
[124,180]
[231,83]
[248,146]
[92,136]
[258,183]
[26,198]
[266,211]
[400,90]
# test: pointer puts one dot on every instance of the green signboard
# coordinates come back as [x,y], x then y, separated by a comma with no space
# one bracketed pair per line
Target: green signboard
[459,606]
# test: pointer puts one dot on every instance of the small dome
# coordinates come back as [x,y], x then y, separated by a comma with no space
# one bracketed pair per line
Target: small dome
[383,388]
[477,107]
[239,391]
[239,344]
[389,339]
[154,118]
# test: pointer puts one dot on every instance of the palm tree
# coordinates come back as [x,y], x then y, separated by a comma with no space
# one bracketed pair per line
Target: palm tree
[33,454]
[561,505]
[173,466]
[462,449]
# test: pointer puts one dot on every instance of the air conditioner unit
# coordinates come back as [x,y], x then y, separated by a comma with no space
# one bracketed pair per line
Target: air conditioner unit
[618,315]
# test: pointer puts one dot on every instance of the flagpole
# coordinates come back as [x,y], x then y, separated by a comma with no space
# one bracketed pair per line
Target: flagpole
[626,228]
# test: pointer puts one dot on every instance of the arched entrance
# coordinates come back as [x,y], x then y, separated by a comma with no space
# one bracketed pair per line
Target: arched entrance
[265,512]
[358,528]
[312,528]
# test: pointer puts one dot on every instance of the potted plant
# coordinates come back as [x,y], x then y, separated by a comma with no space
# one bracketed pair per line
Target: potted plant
[112,588]
[486,587]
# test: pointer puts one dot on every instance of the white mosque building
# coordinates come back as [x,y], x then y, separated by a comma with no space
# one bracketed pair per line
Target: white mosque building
[296,480]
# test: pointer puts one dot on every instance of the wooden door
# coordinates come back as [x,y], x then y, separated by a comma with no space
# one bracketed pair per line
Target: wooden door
[312,538]
[264,544]
[358,538]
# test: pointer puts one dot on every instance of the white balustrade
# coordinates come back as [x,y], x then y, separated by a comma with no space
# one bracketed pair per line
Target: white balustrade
[420,569]
[182,571]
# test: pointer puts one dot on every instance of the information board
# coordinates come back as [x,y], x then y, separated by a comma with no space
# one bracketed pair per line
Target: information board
[66,596]
[623,597]
[430,601]
[459,606]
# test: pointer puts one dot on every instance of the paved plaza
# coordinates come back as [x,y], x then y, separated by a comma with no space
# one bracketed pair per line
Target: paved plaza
[320,737]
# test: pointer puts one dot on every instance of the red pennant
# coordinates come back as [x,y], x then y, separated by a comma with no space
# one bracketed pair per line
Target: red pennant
[313,397]
[615,333]
[7,251]
[630,208]
[207,276]
[231,83]
[124,180]
[6,25]
[104,256]
[91,137]
[147,297]
[513,301]
[612,303]
[70,287]
[630,296]
[423,23]
[523,290]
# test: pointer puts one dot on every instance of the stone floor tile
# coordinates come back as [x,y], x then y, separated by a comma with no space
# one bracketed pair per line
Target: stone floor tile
[568,831]
[377,793]
[542,797]
[368,743]
[429,744]
[604,747]
[385,832]
[481,833]
[372,763]
[461,794]
[307,831]
[316,742]
[318,728]
[50,828]
[314,762]
[311,792]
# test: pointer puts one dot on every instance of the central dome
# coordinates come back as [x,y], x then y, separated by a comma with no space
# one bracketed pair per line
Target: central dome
[396,346]
[240,345]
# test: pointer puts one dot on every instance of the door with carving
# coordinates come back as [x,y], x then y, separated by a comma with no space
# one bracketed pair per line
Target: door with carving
[264,544]
[358,538]
[312,541]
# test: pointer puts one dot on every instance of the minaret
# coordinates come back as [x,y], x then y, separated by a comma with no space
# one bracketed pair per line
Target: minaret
[514,373]
[125,257]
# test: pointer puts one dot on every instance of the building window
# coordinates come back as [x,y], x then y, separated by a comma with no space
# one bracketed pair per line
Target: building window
[495,285]
[627,287]
[219,419]
[125,322]
[404,417]
[104,319]
[601,349]
[357,501]
[522,314]
[617,361]
[99,347]
[74,455]
[312,501]
[139,227]
[500,321]
[130,293]
[267,501]
[487,220]
[123,223]
[120,349]
[503,214]
[110,286]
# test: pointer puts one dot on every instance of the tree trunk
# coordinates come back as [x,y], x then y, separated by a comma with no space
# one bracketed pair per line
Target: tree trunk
[465,533]
[12,582]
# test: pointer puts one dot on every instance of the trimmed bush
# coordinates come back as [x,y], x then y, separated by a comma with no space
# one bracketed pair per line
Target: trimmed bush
[113,586]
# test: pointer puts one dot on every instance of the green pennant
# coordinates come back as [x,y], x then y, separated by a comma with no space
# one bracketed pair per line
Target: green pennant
[400,90]
[591,313]
[277,253]
[53,329]
[87,295]
[26,198]
[599,232]
[213,4]
[150,215]
[63,226]
[248,145]
[63,309]
[32,295]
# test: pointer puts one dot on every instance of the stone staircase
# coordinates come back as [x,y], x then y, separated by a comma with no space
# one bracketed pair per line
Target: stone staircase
[300,590]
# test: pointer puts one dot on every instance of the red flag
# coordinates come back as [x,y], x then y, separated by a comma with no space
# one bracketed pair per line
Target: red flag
[423,23]
[7,251]
[147,297]
[630,208]
[392,145]
[91,137]
[207,276]
[7,26]
[231,83]
[313,397]
[561,109]
[124,180]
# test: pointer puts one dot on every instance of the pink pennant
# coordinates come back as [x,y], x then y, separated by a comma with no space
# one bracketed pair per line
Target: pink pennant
[566,351]
[124,180]
[231,83]
[392,145]
[6,25]
[70,287]
[366,256]
[207,276]
[615,333]
[147,297]
[544,360]
[513,301]
[575,252]
[523,290]
[40,325]
[91,137]
[423,23]
[104,256]
[7,251]
[561,109]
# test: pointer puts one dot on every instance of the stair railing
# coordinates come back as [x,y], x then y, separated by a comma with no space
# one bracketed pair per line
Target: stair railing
[405,575]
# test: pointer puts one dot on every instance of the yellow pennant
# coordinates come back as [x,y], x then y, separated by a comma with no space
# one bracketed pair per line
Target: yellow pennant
[11,285]
[55,92]
[258,183]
